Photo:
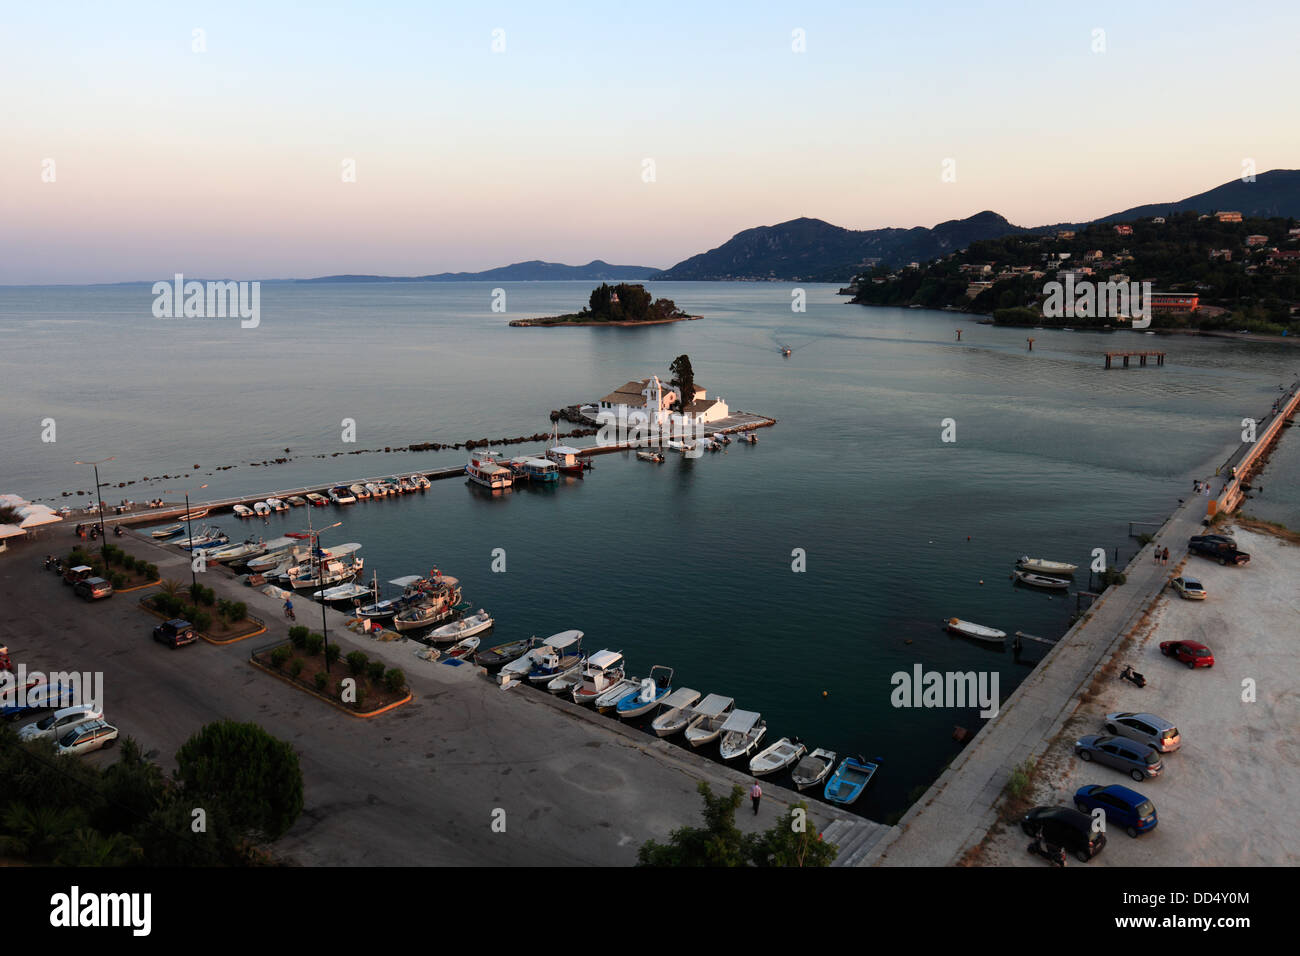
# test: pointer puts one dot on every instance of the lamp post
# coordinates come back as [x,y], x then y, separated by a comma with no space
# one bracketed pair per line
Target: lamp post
[100,499]
[320,580]
[189,530]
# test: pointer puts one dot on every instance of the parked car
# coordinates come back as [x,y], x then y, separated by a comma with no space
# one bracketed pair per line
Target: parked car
[1227,539]
[1063,826]
[1189,588]
[92,589]
[11,709]
[1122,806]
[59,722]
[1219,550]
[1155,732]
[175,633]
[79,573]
[1191,653]
[85,737]
[1137,760]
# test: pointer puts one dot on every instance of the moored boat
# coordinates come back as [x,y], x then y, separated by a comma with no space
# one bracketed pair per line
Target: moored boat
[345,595]
[340,495]
[194,515]
[813,769]
[654,690]
[1032,580]
[502,654]
[776,757]
[741,732]
[277,504]
[560,655]
[317,500]
[465,648]
[709,716]
[420,481]
[385,609]
[359,492]
[609,699]
[978,632]
[297,501]
[483,469]
[604,669]
[1043,566]
[849,780]
[465,627]
[168,532]
[675,712]
[242,511]
[261,508]
[650,456]
[376,490]
[435,603]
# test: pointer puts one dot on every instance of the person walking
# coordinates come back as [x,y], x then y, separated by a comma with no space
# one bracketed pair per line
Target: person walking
[1156,554]
[1164,556]
[756,794]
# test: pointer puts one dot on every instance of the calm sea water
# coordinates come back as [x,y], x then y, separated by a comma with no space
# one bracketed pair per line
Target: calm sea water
[688,563]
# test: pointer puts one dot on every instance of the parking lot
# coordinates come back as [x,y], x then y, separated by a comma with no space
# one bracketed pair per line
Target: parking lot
[1228,796]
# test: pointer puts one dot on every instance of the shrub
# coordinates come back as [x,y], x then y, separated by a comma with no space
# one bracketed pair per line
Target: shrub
[238,611]
[1021,776]
[1111,576]
[128,562]
[357,662]
[201,620]
[360,693]
[298,635]
[394,680]
[280,656]
[117,579]
[315,642]
[332,654]
[189,612]
[322,680]
[295,668]
[375,669]
[152,571]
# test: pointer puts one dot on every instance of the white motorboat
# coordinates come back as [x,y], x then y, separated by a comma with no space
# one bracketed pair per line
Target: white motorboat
[1032,580]
[654,690]
[420,482]
[404,485]
[464,649]
[1043,566]
[560,654]
[741,732]
[359,492]
[609,700]
[604,669]
[675,712]
[710,714]
[776,757]
[261,508]
[813,769]
[376,491]
[340,495]
[168,532]
[317,500]
[236,552]
[465,627]
[650,456]
[978,632]
[386,487]
[522,665]
[297,501]
[277,504]
[243,511]
[342,594]
[564,684]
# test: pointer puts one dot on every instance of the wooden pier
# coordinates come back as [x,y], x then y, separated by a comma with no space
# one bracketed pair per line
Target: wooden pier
[1142,357]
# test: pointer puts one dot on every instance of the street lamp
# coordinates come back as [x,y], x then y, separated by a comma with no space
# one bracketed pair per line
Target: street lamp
[100,498]
[320,580]
[189,530]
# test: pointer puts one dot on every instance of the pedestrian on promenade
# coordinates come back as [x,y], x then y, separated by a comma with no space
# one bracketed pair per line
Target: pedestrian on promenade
[756,794]
[1156,554]
[1164,556]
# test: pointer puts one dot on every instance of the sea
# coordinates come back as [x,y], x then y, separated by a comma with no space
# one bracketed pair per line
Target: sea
[907,471]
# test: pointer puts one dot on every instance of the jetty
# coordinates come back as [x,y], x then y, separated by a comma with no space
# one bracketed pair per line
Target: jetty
[1142,356]
[1249,458]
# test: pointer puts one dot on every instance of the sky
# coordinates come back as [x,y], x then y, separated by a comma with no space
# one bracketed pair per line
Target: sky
[133,148]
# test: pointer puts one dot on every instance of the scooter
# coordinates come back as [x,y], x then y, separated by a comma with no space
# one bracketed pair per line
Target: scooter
[1052,854]
[1132,676]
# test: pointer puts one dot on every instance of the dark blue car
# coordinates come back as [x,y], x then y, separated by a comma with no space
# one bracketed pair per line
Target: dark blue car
[1122,806]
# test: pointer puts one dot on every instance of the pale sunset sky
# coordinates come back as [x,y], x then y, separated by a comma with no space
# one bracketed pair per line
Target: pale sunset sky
[228,161]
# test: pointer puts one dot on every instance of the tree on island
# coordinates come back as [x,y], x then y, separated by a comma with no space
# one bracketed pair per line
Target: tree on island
[627,302]
[684,379]
[720,843]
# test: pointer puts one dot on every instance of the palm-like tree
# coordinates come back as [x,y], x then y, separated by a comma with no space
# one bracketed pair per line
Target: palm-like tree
[37,833]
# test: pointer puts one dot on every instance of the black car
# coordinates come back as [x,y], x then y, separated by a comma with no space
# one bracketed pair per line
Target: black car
[175,632]
[1067,827]
[1218,548]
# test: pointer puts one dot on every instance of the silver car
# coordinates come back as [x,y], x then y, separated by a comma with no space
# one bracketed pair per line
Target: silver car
[59,722]
[1137,760]
[1155,732]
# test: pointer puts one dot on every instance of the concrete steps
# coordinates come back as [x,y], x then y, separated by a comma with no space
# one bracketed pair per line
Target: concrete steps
[856,839]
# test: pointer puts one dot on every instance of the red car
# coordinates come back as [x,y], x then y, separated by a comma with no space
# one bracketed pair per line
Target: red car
[1189,652]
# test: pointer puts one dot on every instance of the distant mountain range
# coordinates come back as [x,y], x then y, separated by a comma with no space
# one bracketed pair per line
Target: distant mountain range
[812,250]
[534,270]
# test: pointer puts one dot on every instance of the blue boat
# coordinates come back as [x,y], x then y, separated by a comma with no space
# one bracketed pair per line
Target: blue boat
[850,779]
[652,692]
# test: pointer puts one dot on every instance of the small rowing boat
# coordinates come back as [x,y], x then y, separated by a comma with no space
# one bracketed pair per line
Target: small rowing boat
[650,456]
[776,757]
[813,769]
[675,712]
[1032,580]
[978,632]
[850,780]
[1043,566]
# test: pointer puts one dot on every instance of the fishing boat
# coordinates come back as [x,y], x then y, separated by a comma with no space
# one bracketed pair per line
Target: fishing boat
[675,712]
[813,769]
[609,700]
[465,648]
[276,552]
[567,459]
[261,508]
[420,481]
[340,495]
[382,610]
[435,603]
[376,491]
[849,780]
[484,470]
[465,627]
[237,552]
[242,511]
[345,595]
[317,500]
[277,504]
[650,456]
[673,444]
[168,532]
[297,501]
[523,665]
[710,714]
[560,655]
[1032,580]
[335,565]
[207,538]
[741,732]
[503,654]
[654,690]
[776,757]
[359,492]
[978,632]
[563,685]
[194,515]
[1043,566]
[604,669]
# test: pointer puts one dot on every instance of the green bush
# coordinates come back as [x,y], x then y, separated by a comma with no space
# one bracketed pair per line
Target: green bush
[375,669]
[394,680]
[201,620]
[238,611]
[357,662]
[322,680]
[117,579]
[315,642]
[152,571]
[280,656]
[298,635]
[128,562]
[332,654]
[360,695]
[296,667]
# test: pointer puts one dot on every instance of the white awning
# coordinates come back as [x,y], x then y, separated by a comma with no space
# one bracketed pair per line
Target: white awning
[742,721]
[564,639]
[714,705]
[603,659]
[407,581]
[681,697]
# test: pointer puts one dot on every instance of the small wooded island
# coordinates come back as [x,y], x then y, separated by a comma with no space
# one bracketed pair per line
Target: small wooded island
[622,304]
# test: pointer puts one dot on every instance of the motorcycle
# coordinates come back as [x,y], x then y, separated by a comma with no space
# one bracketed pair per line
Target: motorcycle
[1132,676]
[1052,854]
[117,530]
